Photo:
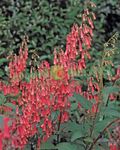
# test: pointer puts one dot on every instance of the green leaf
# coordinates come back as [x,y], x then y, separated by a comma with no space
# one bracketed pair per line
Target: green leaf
[12,97]
[73,13]
[2,98]
[1,120]
[83,101]
[48,144]
[77,134]
[70,126]
[43,57]
[74,106]
[66,146]
[2,60]
[114,105]
[55,114]
[10,105]
[108,90]
[1,73]
[111,112]
[102,124]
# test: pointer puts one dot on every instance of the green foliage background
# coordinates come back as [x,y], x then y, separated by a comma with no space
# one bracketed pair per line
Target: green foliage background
[47,22]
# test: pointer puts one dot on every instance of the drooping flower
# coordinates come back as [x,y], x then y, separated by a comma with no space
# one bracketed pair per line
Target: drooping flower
[1,138]
[6,128]
[113,146]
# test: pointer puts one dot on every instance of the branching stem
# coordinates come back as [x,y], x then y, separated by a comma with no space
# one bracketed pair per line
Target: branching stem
[102,132]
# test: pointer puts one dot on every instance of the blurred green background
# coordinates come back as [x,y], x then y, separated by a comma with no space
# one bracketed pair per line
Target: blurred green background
[47,22]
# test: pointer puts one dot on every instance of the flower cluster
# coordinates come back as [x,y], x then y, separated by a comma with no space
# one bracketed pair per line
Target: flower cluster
[44,102]
[5,133]
[18,64]
[77,45]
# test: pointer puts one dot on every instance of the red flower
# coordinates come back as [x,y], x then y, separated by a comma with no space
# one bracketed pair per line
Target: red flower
[113,146]
[1,137]
[6,128]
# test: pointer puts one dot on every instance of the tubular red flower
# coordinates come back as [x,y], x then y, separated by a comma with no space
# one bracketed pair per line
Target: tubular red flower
[6,128]
[113,146]
[1,138]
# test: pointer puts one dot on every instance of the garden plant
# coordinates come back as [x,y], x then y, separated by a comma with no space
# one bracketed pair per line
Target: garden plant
[72,103]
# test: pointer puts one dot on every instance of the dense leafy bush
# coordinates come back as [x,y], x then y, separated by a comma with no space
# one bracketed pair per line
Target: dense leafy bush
[42,21]
[45,22]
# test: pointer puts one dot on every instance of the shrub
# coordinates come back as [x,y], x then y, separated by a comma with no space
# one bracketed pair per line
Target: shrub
[67,105]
